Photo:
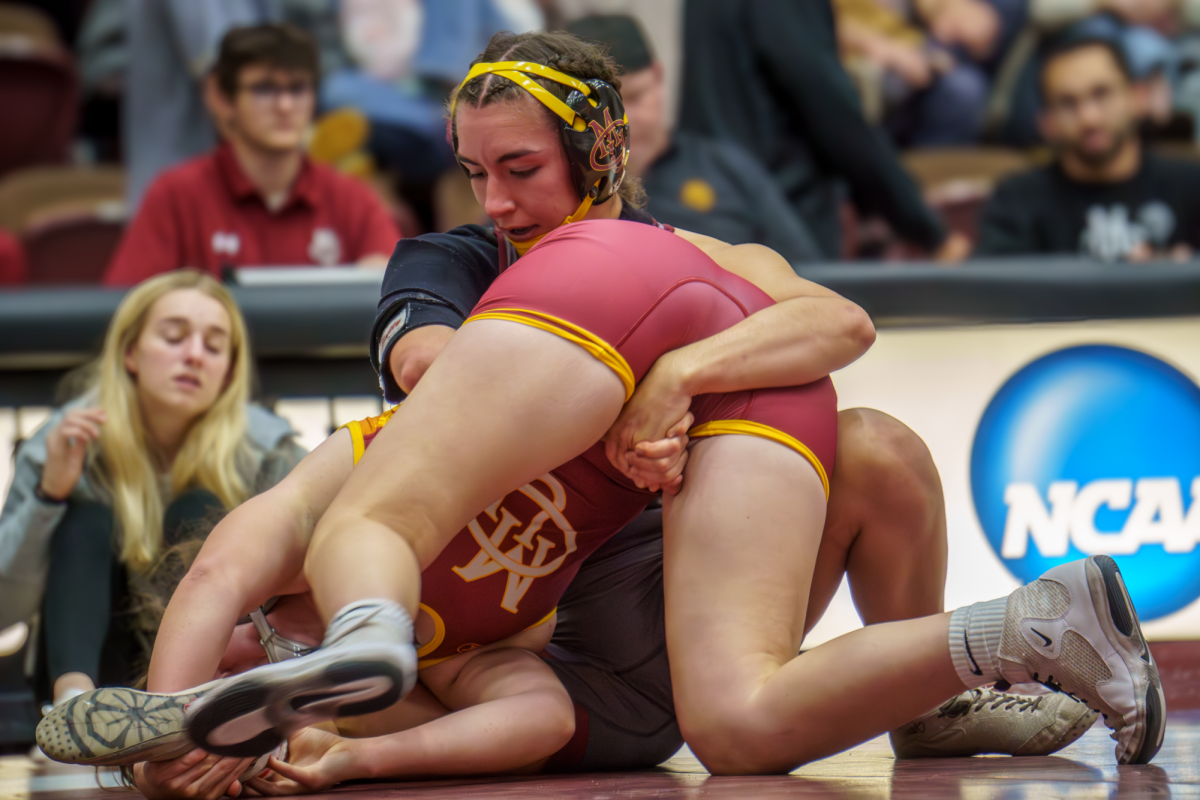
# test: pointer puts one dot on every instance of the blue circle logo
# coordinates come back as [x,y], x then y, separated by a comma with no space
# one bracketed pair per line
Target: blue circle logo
[1094,450]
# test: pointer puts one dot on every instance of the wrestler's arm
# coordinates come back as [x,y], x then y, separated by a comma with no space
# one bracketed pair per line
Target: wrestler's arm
[810,332]
[256,552]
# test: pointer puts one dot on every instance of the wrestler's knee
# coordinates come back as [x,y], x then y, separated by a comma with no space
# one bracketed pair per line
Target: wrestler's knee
[888,465]
[732,737]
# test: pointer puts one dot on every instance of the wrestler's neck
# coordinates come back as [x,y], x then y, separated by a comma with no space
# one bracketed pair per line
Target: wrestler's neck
[609,209]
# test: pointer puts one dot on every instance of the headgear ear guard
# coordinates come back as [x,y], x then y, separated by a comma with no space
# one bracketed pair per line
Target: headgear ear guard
[595,132]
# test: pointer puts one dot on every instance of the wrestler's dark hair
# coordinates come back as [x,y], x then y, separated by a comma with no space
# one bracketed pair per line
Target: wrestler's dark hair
[278,45]
[559,50]
[151,591]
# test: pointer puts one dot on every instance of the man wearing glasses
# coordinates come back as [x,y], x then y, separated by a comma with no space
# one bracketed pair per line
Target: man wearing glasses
[257,199]
[1104,196]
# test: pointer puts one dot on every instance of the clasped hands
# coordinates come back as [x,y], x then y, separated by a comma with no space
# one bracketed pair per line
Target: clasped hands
[648,442]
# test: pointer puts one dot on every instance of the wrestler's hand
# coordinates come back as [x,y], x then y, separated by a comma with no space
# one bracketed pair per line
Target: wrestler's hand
[316,761]
[648,442]
[197,775]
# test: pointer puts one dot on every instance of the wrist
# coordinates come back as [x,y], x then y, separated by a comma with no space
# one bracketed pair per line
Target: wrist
[354,760]
[52,496]
[680,370]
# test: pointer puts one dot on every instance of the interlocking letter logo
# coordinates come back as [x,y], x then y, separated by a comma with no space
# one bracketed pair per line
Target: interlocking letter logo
[610,140]
[521,575]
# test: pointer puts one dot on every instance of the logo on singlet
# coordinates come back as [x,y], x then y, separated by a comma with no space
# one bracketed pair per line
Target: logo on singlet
[526,541]
[610,141]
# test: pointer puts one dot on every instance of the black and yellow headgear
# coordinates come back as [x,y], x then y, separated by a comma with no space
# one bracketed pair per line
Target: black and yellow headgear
[595,130]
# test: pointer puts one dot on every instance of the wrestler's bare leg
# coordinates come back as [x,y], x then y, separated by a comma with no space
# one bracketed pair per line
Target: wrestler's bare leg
[744,701]
[410,493]
[885,526]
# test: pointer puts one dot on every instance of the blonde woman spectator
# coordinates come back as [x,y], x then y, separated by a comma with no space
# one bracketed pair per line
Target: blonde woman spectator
[161,445]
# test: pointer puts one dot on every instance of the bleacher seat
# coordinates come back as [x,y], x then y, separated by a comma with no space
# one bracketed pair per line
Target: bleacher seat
[38,90]
[69,219]
[25,21]
[962,170]
[957,182]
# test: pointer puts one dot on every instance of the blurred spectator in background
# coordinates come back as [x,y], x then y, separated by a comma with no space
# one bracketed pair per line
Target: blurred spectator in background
[156,450]
[693,182]
[766,74]
[932,64]
[406,57]
[102,58]
[1142,29]
[661,22]
[170,46]
[14,268]
[1105,196]
[257,199]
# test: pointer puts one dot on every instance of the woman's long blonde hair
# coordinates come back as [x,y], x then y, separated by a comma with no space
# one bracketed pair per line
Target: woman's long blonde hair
[214,454]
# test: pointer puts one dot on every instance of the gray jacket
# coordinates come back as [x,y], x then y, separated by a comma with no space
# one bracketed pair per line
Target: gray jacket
[27,524]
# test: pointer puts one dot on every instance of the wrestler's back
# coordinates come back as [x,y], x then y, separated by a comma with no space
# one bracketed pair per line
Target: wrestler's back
[642,289]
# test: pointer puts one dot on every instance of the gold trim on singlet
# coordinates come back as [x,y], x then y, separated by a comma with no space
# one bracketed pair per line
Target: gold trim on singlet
[359,437]
[600,349]
[726,426]
[439,636]
[439,632]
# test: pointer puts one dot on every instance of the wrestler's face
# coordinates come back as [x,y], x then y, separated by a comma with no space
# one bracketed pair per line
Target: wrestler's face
[518,169]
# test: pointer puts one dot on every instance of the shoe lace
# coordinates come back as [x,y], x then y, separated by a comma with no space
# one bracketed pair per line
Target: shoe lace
[977,700]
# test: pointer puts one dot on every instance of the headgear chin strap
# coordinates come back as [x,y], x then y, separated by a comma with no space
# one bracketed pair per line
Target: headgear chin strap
[595,132]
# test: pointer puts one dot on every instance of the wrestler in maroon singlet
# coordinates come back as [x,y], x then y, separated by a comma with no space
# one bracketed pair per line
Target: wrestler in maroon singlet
[628,293]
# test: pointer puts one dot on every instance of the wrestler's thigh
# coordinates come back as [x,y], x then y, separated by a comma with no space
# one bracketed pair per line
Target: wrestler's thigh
[843,518]
[885,525]
[502,405]
[739,545]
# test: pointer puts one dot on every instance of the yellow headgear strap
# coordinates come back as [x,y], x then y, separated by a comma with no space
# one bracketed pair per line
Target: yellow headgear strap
[523,247]
[518,72]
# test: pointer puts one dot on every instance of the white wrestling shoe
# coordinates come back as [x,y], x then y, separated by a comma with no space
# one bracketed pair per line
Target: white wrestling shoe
[366,664]
[986,721]
[1075,630]
[117,727]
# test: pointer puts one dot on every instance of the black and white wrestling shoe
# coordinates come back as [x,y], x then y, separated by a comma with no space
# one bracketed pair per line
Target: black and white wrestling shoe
[366,664]
[1075,630]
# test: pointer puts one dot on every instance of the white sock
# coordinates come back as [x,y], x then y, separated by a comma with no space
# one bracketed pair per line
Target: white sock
[975,641]
[377,611]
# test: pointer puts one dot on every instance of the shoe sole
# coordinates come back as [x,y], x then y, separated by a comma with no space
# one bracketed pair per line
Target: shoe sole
[250,715]
[1123,618]
[116,727]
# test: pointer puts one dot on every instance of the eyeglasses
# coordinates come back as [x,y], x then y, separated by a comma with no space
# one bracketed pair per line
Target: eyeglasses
[269,92]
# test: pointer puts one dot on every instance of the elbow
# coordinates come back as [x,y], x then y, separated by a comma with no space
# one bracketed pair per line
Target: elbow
[205,575]
[860,328]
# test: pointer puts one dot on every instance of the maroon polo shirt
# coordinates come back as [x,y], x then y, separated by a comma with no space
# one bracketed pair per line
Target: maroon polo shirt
[205,213]
[14,269]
